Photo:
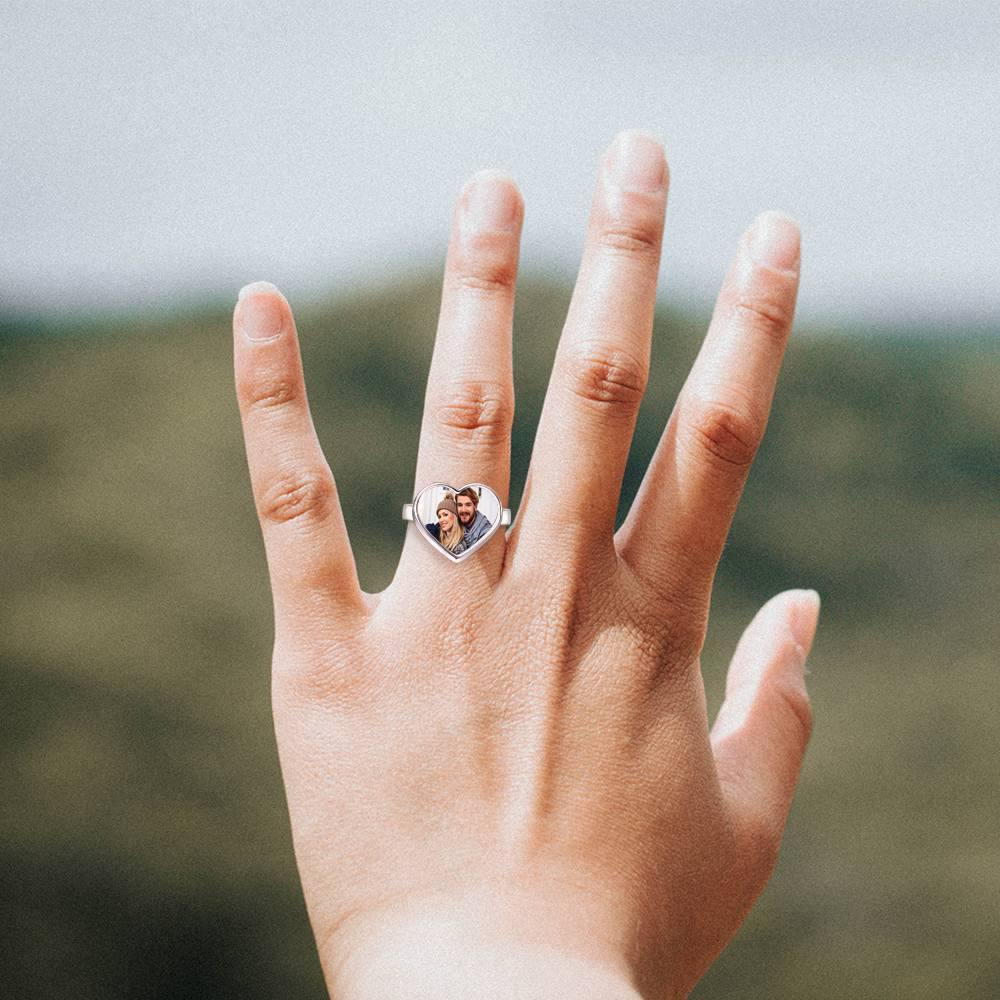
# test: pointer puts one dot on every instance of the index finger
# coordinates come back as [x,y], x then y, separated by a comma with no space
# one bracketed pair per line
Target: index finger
[675,532]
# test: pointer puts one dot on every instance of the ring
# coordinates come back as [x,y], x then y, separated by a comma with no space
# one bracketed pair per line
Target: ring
[457,521]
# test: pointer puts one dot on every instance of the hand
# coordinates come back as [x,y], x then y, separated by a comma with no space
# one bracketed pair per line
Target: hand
[529,788]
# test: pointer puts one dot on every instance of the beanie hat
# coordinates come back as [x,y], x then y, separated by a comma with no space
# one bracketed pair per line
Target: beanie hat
[448,503]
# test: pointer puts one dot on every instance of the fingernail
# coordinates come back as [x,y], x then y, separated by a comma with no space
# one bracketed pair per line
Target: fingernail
[636,162]
[490,202]
[262,317]
[803,621]
[257,286]
[774,241]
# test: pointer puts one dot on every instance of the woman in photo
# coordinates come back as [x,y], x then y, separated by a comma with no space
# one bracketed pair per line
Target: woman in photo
[448,530]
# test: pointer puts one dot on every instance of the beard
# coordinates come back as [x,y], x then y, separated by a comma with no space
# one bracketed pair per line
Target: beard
[467,521]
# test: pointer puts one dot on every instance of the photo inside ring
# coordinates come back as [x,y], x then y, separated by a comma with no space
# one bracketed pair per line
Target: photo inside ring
[458,519]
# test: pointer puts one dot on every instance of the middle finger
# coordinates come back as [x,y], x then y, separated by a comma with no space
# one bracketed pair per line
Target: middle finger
[602,361]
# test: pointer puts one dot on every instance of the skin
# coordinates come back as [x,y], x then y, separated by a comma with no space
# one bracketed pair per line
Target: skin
[533,803]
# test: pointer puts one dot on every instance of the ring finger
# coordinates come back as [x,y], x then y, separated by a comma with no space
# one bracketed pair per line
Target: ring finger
[469,403]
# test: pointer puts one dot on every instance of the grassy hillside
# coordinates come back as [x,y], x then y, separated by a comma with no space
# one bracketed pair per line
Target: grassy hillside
[144,845]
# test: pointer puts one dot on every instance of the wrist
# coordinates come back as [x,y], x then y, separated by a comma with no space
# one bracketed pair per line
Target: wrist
[476,946]
[421,967]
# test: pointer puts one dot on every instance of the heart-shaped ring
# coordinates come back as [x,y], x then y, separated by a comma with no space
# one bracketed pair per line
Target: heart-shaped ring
[456,521]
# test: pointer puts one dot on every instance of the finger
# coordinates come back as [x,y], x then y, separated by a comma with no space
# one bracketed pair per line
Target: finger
[760,734]
[674,533]
[305,539]
[469,403]
[601,364]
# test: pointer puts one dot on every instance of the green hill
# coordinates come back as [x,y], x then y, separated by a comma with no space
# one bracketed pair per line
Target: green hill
[145,845]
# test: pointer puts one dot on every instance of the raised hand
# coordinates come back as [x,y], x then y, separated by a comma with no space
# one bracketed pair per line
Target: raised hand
[500,774]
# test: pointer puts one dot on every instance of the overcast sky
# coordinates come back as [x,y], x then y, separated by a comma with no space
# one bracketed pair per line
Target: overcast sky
[152,152]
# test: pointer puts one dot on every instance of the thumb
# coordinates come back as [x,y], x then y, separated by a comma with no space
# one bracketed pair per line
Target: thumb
[760,734]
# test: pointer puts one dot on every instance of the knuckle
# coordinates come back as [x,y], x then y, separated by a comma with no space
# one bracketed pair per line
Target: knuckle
[476,411]
[303,497]
[636,239]
[607,378]
[766,313]
[487,276]
[727,432]
[798,708]
[263,394]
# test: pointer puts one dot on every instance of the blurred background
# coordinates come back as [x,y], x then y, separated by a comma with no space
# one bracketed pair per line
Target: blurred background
[156,157]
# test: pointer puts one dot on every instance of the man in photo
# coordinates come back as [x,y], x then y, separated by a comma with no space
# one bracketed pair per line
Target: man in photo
[474,524]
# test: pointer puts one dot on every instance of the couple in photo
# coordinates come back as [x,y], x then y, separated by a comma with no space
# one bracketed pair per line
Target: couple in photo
[460,524]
